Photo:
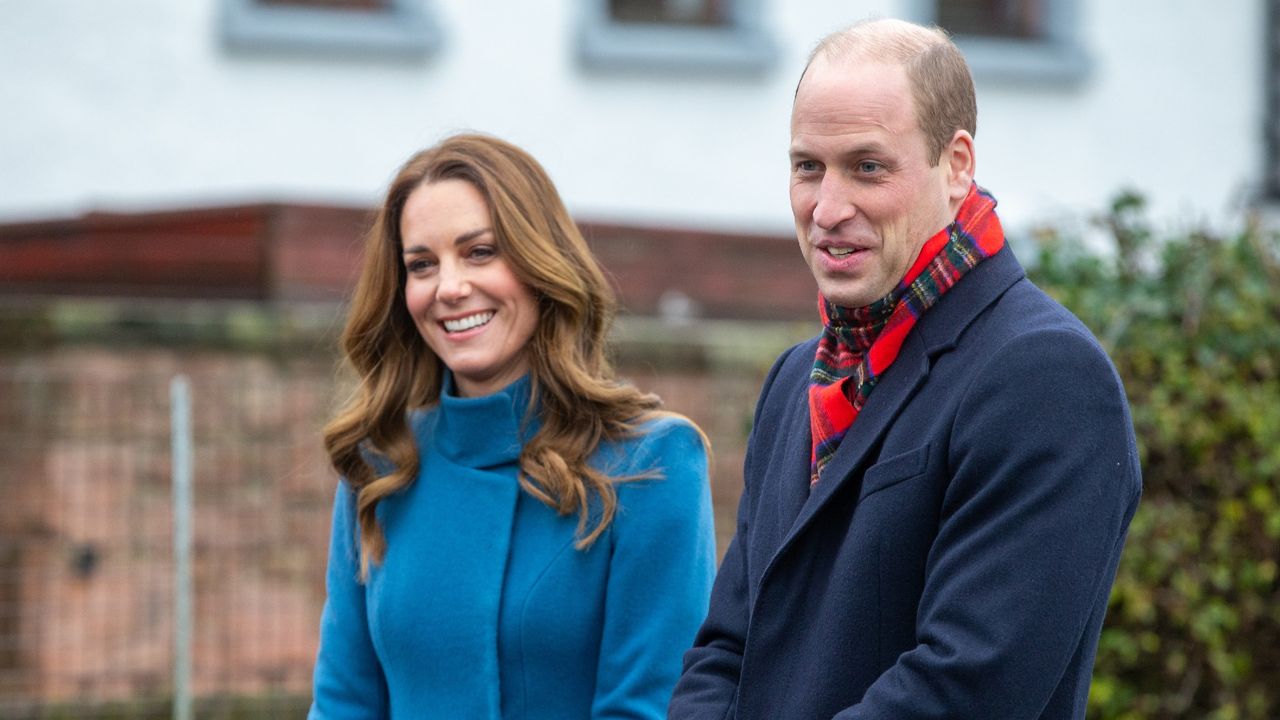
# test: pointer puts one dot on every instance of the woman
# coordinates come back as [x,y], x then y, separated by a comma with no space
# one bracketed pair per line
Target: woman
[518,534]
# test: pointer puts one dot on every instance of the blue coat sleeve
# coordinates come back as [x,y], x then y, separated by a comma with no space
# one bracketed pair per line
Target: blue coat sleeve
[1043,482]
[708,686]
[348,680]
[660,573]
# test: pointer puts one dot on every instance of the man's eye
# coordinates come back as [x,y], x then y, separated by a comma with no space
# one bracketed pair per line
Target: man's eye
[806,166]
[869,166]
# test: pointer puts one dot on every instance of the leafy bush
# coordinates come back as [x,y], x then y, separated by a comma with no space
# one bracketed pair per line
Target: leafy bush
[1192,321]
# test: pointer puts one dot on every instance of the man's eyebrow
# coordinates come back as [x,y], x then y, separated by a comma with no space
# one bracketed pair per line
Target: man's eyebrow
[868,148]
[463,238]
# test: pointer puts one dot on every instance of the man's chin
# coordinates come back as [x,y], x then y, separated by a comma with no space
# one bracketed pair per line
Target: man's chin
[848,294]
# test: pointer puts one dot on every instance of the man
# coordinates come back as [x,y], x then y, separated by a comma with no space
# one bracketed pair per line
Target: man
[937,488]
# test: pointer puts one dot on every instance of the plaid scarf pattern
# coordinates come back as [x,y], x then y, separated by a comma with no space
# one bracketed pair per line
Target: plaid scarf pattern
[859,344]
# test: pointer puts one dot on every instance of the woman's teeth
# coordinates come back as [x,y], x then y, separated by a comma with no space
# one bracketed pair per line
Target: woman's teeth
[468,322]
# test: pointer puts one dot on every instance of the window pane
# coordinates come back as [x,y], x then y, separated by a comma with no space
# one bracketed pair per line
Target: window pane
[994,18]
[672,12]
[332,4]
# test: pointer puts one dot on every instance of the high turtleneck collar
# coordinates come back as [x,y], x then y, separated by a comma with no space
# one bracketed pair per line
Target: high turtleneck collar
[481,432]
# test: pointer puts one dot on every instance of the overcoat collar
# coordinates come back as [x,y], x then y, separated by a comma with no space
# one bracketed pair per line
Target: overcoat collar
[482,432]
[937,332]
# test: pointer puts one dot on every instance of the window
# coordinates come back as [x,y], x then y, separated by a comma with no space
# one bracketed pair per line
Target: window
[679,35]
[1013,39]
[392,28]
[703,13]
[1023,19]
[342,4]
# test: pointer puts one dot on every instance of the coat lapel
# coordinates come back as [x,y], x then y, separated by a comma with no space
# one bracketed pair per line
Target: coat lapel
[896,387]
[792,497]
[784,437]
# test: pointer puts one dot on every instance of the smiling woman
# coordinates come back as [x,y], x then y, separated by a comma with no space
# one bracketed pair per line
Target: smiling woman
[480,562]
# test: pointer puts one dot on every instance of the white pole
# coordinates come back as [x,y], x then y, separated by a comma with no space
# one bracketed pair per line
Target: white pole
[180,428]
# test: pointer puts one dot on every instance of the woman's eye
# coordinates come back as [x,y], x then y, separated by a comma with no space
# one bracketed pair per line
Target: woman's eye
[418,265]
[483,252]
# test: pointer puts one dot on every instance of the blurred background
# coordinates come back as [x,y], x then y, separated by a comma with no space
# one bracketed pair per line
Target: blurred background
[184,185]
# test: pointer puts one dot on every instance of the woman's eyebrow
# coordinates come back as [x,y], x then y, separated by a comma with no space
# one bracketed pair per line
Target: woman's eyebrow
[464,237]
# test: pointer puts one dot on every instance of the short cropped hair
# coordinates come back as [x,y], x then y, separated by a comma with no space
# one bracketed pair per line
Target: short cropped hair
[941,83]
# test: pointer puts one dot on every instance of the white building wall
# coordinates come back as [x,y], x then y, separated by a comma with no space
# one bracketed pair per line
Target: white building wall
[138,105]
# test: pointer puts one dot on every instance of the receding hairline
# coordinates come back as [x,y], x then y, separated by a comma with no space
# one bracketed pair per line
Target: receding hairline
[940,82]
[883,39]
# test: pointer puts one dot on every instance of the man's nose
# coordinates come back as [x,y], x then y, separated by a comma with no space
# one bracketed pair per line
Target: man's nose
[835,202]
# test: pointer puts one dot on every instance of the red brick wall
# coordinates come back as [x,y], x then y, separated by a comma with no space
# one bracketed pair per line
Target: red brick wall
[179,254]
[85,555]
[310,252]
[727,276]
[90,530]
[86,572]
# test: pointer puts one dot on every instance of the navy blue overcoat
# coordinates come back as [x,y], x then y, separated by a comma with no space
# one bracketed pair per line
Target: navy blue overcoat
[956,559]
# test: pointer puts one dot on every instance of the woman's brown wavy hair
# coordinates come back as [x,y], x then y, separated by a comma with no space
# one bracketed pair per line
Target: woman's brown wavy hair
[572,380]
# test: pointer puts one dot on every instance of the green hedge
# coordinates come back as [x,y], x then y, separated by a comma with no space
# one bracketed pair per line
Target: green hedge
[1192,321]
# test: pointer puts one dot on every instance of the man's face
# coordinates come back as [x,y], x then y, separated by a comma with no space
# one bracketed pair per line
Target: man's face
[863,191]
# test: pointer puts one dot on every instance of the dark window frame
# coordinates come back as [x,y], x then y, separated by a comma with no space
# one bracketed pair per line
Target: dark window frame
[1271,174]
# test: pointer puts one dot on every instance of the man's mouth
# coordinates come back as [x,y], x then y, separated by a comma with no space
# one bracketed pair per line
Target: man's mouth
[840,252]
[468,322]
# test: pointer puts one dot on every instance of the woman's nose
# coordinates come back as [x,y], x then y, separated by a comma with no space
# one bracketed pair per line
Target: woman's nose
[454,284]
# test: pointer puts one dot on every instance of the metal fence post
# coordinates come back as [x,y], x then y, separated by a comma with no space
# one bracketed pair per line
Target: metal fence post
[180,425]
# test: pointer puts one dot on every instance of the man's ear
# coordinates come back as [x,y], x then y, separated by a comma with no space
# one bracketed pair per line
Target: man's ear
[957,158]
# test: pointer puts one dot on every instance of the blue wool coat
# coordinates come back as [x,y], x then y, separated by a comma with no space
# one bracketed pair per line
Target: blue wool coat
[956,558]
[483,608]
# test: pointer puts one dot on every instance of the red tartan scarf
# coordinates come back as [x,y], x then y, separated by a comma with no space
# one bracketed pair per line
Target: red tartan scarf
[859,344]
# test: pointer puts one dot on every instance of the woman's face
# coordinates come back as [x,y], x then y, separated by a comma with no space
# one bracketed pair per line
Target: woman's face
[469,307]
